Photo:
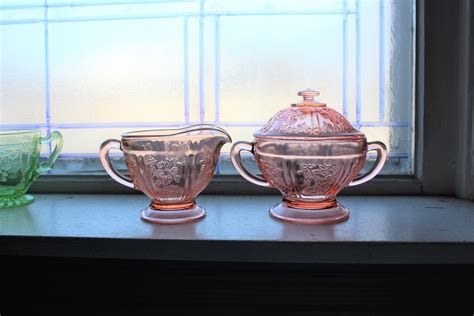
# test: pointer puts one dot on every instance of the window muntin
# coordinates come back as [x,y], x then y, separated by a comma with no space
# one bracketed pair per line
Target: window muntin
[95,69]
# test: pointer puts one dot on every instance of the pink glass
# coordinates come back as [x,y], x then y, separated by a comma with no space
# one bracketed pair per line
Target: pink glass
[309,152]
[171,166]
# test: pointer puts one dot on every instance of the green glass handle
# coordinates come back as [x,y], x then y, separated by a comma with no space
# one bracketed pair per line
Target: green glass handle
[48,164]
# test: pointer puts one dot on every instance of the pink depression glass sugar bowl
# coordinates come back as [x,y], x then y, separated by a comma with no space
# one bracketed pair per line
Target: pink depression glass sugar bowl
[171,166]
[309,152]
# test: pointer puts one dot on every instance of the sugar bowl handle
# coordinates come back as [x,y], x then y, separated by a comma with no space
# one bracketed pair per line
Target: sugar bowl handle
[109,168]
[378,165]
[237,162]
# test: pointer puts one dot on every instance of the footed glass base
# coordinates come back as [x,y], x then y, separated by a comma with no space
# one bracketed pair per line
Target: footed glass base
[16,201]
[175,216]
[334,214]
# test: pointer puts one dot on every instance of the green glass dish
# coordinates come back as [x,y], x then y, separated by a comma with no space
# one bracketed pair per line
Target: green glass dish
[20,163]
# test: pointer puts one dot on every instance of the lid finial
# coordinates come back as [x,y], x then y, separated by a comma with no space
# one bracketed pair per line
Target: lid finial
[308,94]
[308,98]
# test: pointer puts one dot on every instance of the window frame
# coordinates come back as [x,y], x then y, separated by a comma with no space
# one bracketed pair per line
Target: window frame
[435,170]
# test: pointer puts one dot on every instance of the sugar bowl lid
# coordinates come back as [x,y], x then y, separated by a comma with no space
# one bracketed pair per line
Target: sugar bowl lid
[308,118]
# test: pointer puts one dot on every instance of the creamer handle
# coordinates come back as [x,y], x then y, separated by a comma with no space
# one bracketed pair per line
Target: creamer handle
[109,168]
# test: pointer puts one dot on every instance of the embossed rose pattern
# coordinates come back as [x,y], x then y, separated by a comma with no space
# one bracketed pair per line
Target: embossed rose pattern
[15,160]
[274,174]
[134,171]
[206,169]
[314,122]
[3,175]
[318,178]
[162,175]
[164,172]
[5,165]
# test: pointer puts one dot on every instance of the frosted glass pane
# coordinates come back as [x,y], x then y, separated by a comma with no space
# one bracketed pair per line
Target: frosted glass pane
[44,150]
[266,60]
[121,71]
[209,68]
[234,64]
[351,69]
[21,2]
[239,133]
[397,139]
[22,74]
[272,5]
[193,64]
[22,14]
[122,10]
[351,4]
[106,2]
[399,65]
[87,140]
[369,61]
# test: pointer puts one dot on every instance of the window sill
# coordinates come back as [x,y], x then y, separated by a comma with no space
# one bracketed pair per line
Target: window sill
[382,229]
[229,184]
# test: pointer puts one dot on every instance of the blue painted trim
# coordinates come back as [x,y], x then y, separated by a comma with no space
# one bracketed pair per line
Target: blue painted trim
[345,63]
[217,62]
[202,104]
[382,61]
[186,69]
[47,98]
[357,57]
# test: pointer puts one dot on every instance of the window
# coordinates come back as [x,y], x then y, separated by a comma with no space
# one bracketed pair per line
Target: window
[93,69]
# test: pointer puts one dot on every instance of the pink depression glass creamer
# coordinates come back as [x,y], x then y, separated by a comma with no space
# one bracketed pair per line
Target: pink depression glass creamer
[171,166]
[309,152]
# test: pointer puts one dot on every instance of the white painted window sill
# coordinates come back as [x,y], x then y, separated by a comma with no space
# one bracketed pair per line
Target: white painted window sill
[382,229]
